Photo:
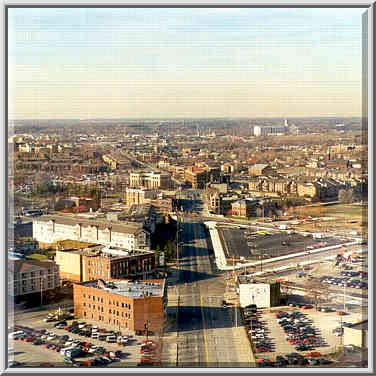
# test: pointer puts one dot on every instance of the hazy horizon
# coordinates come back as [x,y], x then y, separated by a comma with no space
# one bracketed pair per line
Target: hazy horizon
[151,63]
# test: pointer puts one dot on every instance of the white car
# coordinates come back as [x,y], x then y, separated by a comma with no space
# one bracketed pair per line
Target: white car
[68,343]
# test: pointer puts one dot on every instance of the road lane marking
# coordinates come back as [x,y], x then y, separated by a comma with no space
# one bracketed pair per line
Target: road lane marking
[204,331]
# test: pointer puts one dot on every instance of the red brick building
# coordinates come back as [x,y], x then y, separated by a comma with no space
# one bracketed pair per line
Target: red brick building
[124,303]
[104,262]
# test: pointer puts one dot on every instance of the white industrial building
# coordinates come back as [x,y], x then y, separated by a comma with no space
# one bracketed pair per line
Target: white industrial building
[261,294]
[49,229]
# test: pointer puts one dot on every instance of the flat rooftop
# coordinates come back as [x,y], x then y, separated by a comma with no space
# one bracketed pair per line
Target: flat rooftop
[131,289]
[237,243]
[110,252]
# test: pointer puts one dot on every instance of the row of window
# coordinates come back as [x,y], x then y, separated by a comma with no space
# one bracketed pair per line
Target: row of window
[101,318]
[110,302]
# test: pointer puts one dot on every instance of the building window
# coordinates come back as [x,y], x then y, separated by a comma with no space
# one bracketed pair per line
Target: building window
[89,305]
[93,306]
[122,305]
[84,295]
[109,311]
[84,304]
[102,309]
[109,302]
[117,313]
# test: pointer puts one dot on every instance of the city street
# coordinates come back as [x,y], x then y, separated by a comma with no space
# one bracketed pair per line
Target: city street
[205,330]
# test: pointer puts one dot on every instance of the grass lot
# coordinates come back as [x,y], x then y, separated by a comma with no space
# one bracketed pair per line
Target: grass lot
[38,256]
[72,244]
[346,210]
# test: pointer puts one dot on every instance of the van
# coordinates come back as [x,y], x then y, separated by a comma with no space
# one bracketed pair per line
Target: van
[110,339]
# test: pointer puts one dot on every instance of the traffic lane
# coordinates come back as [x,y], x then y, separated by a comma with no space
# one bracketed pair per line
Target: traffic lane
[219,323]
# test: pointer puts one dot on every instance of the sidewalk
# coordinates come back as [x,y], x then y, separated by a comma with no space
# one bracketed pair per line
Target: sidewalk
[243,347]
[169,352]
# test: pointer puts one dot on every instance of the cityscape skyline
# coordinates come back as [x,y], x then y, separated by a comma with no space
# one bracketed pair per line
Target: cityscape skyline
[179,63]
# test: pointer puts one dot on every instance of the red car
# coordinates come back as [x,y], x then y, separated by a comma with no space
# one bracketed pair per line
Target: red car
[67,327]
[149,342]
[28,339]
[147,360]
[261,350]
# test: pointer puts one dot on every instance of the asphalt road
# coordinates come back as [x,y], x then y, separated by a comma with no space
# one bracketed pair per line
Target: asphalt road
[205,329]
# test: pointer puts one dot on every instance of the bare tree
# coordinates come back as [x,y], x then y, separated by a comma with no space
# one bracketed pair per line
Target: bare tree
[346,196]
[316,292]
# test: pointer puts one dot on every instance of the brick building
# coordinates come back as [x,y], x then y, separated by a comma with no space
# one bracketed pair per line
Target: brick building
[137,196]
[260,170]
[124,304]
[196,176]
[244,208]
[104,262]
[26,277]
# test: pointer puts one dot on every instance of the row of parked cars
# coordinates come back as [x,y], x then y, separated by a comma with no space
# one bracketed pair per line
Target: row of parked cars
[345,281]
[68,347]
[257,330]
[299,331]
[295,359]
[148,351]
[93,331]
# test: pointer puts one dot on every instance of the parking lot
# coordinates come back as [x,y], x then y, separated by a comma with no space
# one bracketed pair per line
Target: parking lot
[273,243]
[30,355]
[320,324]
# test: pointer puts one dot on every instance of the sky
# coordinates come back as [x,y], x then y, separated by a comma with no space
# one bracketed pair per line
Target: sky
[193,62]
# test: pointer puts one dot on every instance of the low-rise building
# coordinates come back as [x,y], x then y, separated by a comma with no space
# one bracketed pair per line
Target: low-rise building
[104,262]
[261,294]
[245,208]
[150,180]
[356,335]
[260,169]
[49,229]
[138,196]
[125,304]
[27,277]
